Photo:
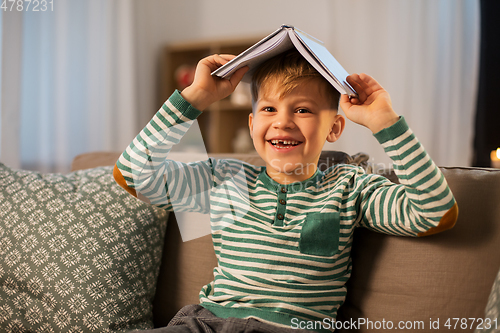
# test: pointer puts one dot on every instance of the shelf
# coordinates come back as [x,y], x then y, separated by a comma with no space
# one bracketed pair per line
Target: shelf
[222,121]
[226,105]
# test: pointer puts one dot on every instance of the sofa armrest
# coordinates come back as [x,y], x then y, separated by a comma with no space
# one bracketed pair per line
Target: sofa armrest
[447,275]
[93,160]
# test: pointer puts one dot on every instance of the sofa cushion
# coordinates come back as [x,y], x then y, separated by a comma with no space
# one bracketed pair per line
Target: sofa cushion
[77,253]
[439,277]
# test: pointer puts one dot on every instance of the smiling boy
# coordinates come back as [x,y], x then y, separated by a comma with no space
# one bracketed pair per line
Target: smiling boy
[282,233]
[291,120]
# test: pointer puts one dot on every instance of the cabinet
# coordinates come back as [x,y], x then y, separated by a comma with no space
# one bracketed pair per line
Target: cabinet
[224,120]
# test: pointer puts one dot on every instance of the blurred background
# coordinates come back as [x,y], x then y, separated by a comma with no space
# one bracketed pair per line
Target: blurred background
[87,75]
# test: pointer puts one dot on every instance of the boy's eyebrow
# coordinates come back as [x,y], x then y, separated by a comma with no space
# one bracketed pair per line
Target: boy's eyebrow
[306,99]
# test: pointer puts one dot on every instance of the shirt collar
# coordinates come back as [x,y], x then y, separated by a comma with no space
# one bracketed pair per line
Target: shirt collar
[294,187]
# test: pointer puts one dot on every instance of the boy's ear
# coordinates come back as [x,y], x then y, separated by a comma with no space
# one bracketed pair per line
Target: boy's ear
[250,124]
[336,129]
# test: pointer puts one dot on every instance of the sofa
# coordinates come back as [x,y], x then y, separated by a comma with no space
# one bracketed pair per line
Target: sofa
[445,288]
[450,278]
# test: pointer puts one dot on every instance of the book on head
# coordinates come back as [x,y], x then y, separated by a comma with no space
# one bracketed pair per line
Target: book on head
[283,39]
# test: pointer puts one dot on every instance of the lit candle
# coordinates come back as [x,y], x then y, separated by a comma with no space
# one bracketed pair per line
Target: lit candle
[495,158]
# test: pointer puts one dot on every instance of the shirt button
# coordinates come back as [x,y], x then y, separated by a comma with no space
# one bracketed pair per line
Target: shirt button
[280,216]
[283,190]
[282,201]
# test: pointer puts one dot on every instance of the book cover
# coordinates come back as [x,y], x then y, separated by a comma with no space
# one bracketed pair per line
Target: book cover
[281,40]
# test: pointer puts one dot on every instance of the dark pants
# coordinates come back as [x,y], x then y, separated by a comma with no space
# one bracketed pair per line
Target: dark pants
[196,319]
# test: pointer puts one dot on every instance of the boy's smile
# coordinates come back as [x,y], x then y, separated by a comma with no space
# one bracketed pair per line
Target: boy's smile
[289,131]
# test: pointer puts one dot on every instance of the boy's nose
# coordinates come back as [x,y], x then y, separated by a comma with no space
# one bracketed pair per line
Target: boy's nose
[283,120]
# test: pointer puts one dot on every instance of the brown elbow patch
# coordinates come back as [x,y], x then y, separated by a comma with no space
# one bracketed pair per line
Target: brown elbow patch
[447,222]
[121,181]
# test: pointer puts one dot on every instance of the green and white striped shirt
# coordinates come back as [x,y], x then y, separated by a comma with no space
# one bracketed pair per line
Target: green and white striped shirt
[283,251]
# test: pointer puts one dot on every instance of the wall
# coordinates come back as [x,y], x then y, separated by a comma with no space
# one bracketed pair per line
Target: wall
[160,22]
[260,17]
[424,52]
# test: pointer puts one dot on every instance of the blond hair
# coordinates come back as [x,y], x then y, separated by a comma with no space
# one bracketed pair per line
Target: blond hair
[285,72]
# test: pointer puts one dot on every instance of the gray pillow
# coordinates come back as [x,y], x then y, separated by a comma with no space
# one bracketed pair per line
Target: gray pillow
[77,253]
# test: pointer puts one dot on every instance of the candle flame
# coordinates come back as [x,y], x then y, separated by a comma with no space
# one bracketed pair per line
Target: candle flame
[498,153]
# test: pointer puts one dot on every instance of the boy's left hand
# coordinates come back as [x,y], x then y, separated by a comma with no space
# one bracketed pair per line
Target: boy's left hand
[372,108]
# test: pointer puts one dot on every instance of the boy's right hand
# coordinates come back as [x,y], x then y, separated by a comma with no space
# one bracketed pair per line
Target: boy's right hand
[207,89]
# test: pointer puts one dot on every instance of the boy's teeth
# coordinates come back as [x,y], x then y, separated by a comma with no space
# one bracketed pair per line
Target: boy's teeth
[285,142]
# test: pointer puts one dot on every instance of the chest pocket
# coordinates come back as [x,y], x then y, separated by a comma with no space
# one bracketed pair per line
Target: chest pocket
[320,234]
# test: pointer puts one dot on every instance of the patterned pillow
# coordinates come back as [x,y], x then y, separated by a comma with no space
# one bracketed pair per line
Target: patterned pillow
[77,253]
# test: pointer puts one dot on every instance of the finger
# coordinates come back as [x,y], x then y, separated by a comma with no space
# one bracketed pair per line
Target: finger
[214,61]
[357,84]
[365,81]
[210,62]
[369,84]
[227,56]
[354,100]
[220,60]
[223,59]
[345,101]
[238,75]
[366,84]
[370,81]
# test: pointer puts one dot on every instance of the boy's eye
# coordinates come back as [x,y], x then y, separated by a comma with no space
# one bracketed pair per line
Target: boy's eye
[303,111]
[268,109]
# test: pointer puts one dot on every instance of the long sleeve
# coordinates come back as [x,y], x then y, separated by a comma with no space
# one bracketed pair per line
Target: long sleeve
[421,204]
[145,171]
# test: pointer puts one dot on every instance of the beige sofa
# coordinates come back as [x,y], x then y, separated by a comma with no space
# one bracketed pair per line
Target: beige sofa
[425,284]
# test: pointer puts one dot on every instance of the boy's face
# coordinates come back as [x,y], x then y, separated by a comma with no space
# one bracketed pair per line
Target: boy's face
[289,131]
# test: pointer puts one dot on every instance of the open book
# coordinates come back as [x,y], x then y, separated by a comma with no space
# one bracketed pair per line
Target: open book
[282,40]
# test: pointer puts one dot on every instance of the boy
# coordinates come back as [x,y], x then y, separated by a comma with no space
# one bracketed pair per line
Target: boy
[282,233]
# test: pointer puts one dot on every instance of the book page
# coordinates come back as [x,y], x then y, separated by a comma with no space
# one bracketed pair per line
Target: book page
[325,61]
[314,62]
[267,48]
